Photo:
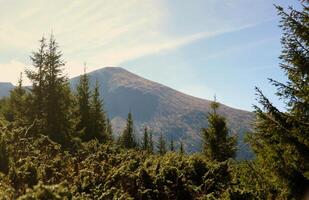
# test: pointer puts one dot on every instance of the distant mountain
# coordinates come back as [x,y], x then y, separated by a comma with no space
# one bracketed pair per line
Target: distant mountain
[178,116]
[5,89]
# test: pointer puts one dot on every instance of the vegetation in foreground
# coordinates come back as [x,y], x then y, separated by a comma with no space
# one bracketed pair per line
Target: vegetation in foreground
[56,144]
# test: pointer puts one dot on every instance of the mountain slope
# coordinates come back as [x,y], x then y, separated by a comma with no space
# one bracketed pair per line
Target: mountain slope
[5,89]
[164,110]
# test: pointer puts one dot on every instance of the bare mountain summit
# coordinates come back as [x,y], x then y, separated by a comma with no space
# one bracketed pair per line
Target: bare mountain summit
[178,116]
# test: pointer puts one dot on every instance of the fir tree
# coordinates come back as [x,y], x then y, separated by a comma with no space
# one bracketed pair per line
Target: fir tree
[181,149]
[98,118]
[150,143]
[145,145]
[109,130]
[217,144]
[57,104]
[83,97]
[127,139]
[17,103]
[281,139]
[172,148]
[161,145]
[37,77]
[50,94]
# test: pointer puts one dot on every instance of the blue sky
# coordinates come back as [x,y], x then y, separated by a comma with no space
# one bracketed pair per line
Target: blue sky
[200,47]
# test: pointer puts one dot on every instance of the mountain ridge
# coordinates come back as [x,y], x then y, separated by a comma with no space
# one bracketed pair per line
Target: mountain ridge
[178,116]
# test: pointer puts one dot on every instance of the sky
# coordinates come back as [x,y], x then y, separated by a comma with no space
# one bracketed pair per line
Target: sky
[200,47]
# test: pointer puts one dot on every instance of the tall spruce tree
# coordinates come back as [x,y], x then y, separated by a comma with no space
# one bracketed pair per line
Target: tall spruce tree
[181,148]
[83,96]
[109,130]
[161,145]
[281,138]
[150,143]
[145,145]
[97,118]
[58,101]
[51,96]
[37,77]
[17,103]
[172,147]
[127,139]
[218,145]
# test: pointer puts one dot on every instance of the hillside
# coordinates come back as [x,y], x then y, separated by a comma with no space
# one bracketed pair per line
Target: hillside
[164,110]
[5,88]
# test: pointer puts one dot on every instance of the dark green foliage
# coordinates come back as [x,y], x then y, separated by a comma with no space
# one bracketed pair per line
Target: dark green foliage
[127,139]
[17,109]
[109,130]
[151,145]
[83,96]
[281,139]
[172,147]
[161,145]
[218,145]
[181,148]
[4,157]
[99,126]
[51,100]
[145,145]
[41,169]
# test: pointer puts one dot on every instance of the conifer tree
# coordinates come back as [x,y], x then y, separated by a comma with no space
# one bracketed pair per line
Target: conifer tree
[161,145]
[83,97]
[37,77]
[218,145]
[127,139]
[181,148]
[281,139]
[57,104]
[145,145]
[109,130]
[50,94]
[172,147]
[150,143]
[98,118]
[17,103]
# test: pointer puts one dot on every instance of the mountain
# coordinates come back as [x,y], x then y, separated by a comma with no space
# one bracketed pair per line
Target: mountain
[5,89]
[177,116]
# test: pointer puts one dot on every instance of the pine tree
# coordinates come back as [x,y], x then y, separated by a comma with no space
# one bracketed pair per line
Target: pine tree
[50,94]
[172,148]
[217,144]
[37,77]
[57,104]
[83,97]
[181,149]
[161,145]
[145,145]
[127,139]
[17,103]
[281,139]
[98,118]
[109,130]
[150,143]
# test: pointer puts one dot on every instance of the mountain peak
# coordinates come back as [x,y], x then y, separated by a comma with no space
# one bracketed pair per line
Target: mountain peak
[111,70]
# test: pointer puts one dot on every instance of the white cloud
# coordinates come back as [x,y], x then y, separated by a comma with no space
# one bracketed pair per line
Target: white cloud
[99,32]
[10,71]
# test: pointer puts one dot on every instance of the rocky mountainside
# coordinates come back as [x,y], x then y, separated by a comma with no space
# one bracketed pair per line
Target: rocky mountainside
[178,116]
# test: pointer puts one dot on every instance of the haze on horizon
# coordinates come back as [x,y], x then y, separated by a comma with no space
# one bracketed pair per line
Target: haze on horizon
[201,47]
